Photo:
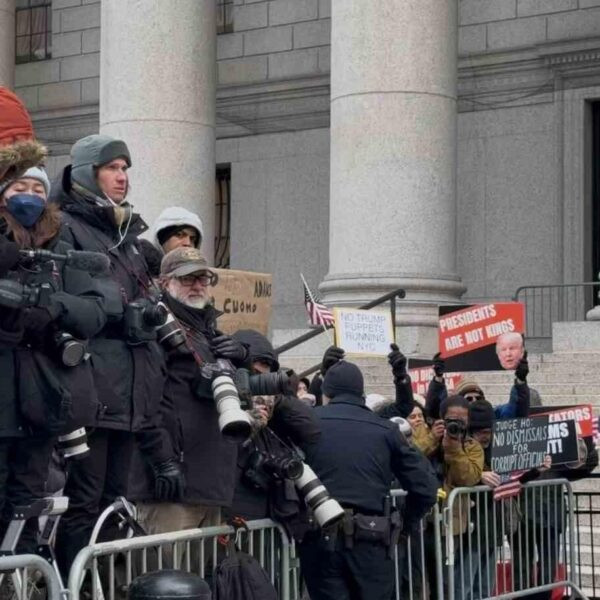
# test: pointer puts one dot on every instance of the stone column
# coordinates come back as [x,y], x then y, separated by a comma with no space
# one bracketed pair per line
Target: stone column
[7,43]
[393,158]
[158,93]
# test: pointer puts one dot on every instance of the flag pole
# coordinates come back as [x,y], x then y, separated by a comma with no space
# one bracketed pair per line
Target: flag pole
[312,298]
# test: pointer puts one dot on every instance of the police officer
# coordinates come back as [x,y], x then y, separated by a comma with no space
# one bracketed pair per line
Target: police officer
[357,457]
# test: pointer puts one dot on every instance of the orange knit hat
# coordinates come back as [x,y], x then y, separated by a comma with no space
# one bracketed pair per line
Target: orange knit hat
[15,122]
[18,148]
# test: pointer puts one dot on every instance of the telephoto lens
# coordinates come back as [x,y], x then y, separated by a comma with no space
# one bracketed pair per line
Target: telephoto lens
[269,384]
[233,421]
[71,351]
[326,510]
[170,335]
[74,444]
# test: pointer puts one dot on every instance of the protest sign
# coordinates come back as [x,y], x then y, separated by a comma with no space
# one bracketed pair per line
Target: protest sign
[469,336]
[244,298]
[522,444]
[582,414]
[421,372]
[363,332]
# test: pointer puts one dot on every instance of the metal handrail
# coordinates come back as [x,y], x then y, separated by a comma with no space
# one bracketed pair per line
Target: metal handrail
[399,293]
[556,303]
[552,286]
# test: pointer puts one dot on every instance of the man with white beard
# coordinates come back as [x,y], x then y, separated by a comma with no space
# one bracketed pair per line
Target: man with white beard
[188,434]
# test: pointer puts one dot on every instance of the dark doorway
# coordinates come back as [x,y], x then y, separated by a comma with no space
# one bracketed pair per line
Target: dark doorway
[595,167]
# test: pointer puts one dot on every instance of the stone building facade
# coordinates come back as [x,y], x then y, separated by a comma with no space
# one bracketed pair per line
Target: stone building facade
[444,146]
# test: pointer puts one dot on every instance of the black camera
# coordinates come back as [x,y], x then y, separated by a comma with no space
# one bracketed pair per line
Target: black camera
[455,428]
[261,468]
[141,320]
[18,295]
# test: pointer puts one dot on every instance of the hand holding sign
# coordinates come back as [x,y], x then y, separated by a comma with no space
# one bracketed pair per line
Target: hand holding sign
[397,361]
[522,369]
[490,479]
[332,355]
[439,365]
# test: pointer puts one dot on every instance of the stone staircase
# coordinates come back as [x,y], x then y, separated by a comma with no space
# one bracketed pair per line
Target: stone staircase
[560,378]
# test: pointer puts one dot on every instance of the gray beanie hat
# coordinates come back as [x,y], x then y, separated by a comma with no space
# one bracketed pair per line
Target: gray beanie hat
[94,151]
[37,173]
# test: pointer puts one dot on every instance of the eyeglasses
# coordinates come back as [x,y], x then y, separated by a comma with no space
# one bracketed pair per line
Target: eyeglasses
[203,278]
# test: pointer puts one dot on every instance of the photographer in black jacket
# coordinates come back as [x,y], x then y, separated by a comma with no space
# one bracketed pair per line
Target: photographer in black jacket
[128,364]
[282,420]
[196,475]
[44,391]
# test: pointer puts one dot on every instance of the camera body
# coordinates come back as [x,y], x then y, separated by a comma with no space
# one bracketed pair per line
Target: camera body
[261,468]
[455,428]
[19,295]
[141,320]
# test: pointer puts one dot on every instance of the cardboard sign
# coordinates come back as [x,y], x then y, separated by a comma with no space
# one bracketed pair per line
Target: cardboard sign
[363,332]
[582,414]
[481,337]
[244,298]
[522,444]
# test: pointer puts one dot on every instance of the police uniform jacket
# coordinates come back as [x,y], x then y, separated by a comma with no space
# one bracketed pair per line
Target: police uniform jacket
[359,454]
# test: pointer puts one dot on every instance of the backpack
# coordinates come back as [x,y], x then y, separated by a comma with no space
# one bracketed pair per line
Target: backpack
[240,577]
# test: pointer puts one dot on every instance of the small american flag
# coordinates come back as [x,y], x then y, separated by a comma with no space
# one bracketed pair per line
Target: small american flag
[318,313]
[511,487]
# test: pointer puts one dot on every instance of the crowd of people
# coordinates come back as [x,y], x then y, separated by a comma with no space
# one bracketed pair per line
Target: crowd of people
[116,381]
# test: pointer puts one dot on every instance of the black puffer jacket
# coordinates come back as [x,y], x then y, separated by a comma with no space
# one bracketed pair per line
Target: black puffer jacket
[128,378]
[190,420]
[38,393]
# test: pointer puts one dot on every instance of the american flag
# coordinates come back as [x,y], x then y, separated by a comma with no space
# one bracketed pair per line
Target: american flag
[511,487]
[318,313]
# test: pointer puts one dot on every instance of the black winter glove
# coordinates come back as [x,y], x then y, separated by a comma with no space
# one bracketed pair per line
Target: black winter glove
[169,482]
[332,355]
[9,255]
[439,365]
[522,369]
[397,361]
[224,346]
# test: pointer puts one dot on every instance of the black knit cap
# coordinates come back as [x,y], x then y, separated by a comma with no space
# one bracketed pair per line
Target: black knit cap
[481,415]
[343,378]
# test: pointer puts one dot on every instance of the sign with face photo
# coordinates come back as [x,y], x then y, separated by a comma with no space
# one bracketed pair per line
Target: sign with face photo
[482,337]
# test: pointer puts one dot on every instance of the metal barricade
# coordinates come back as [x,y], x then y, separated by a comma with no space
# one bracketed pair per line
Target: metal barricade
[586,510]
[510,546]
[113,565]
[21,572]
[417,572]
